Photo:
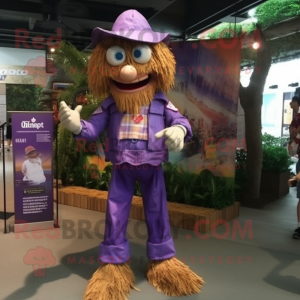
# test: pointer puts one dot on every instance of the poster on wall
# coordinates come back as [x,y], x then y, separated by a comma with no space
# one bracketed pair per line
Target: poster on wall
[287,112]
[33,170]
[207,92]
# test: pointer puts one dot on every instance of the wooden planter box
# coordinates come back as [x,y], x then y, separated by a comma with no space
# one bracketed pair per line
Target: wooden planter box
[274,184]
[181,215]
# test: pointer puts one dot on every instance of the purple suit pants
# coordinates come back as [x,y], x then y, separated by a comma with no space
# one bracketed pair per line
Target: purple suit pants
[115,247]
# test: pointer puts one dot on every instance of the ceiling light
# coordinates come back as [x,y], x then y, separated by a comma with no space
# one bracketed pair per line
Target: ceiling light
[251,12]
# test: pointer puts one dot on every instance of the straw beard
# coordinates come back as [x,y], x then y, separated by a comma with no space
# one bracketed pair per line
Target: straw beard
[132,102]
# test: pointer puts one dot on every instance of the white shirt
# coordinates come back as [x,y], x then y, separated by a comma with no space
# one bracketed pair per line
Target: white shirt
[32,170]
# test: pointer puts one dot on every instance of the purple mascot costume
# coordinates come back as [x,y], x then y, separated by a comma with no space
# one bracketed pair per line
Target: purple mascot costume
[134,66]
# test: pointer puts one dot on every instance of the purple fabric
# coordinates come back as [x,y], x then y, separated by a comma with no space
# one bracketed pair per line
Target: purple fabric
[114,254]
[161,251]
[133,26]
[115,245]
[138,157]
[153,151]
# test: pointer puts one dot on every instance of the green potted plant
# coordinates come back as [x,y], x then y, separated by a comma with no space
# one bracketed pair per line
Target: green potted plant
[275,166]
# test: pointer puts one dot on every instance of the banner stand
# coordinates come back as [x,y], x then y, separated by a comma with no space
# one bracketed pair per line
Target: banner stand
[56,223]
[33,170]
[4,181]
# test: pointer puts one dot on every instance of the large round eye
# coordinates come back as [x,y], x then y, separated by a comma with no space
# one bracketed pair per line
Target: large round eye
[142,54]
[115,55]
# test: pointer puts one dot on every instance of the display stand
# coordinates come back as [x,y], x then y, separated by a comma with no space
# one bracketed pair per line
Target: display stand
[33,151]
[56,223]
[4,184]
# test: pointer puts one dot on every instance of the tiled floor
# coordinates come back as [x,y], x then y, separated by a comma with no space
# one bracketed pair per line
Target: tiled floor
[264,265]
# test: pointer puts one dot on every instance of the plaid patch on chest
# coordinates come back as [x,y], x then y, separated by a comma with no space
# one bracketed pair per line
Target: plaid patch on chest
[135,126]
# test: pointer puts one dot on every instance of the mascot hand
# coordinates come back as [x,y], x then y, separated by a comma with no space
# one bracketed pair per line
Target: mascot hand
[69,118]
[175,137]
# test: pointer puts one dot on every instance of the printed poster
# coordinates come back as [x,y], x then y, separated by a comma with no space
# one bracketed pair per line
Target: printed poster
[32,134]
[207,93]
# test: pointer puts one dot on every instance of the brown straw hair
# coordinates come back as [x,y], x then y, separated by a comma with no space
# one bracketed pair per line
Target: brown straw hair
[173,278]
[111,282]
[162,67]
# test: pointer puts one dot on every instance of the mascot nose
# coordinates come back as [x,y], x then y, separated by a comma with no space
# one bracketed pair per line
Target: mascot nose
[128,73]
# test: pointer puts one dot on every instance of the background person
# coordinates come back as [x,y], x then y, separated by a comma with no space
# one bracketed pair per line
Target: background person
[294,127]
[0,140]
[296,234]
[294,130]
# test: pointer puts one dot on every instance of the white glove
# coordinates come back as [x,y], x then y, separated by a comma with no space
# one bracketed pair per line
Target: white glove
[70,118]
[175,137]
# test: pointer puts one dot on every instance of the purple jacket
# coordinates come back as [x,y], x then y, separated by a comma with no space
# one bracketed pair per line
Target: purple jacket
[135,152]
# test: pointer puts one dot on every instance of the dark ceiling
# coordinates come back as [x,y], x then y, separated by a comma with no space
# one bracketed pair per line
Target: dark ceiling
[183,19]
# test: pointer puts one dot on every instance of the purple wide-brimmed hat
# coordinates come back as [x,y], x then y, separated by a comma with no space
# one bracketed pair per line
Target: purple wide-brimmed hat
[130,25]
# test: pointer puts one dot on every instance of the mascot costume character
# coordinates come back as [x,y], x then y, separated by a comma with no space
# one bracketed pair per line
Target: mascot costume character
[134,66]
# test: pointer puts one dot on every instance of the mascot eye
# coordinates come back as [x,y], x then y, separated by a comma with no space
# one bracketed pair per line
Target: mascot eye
[142,54]
[115,55]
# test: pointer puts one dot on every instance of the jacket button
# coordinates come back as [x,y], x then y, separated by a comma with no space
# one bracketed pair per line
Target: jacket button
[134,141]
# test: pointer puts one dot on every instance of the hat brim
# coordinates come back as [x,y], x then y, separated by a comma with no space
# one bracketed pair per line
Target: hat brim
[33,153]
[145,36]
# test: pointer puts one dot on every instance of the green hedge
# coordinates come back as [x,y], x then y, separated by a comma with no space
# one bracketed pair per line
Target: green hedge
[275,156]
[204,190]
[269,13]
[275,11]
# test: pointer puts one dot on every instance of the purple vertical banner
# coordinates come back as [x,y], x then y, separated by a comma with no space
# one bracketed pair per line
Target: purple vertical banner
[32,137]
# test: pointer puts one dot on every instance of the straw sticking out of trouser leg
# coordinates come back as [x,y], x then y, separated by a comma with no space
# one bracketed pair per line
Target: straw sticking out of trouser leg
[173,278]
[110,281]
